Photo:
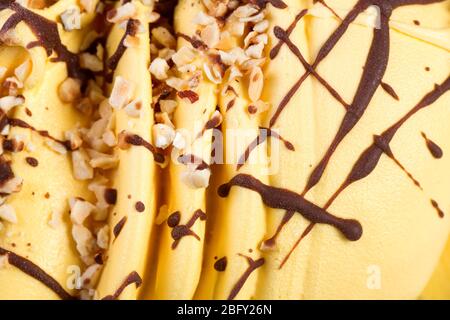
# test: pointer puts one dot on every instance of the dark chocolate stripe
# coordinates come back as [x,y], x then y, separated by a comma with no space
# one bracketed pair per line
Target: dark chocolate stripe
[434,149]
[369,159]
[280,198]
[389,90]
[119,226]
[137,140]
[37,273]
[113,61]
[374,70]
[182,230]
[264,133]
[47,34]
[252,266]
[14,122]
[133,277]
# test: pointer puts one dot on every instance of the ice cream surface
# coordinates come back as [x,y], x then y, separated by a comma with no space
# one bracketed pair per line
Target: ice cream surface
[228,149]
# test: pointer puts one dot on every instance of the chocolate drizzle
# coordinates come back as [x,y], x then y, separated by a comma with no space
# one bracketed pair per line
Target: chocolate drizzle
[252,266]
[434,149]
[113,61]
[182,230]
[133,277]
[374,70]
[36,272]
[221,264]
[264,133]
[389,90]
[47,35]
[369,159]
[270,243]
[43,133]
[280,198]
[119,226]
[438,209]
[137,140]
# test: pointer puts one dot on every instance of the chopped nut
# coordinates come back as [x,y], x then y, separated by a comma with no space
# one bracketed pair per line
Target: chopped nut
[163,135]
[22,71]
[56,146]
[84,240]
[90,62]
[163,36]
[215,8]
[82,170]
[121,93]
[90,276]
[103,160]
[256,83]
[203,19]
[71,18]
[159,68]
[261,26]
[69,90]
[179,141]
[183,56]
[12,185]
[109,138]
[134,108]
[177,83]
[80,210]
[245,11]
[9,102]
[166,53]
[7,213]
[74,138]
[195,179]
[213,72]
[103,237]
[153,17]
[255,51]
[168,106]
[122,13]
[210,35]
[162,117]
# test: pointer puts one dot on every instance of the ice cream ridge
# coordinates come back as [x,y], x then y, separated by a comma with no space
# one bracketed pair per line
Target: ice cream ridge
[224,149]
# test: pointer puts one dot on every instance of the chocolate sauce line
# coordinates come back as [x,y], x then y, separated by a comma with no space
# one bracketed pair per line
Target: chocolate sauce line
[323,53]
[252,266]
[270,243]
[113,61]
[369,159]
[133,277]
[14,122]
[137,140]
[47,34]
[329,8]
[302,236]
[182,230]
[274,51]
[283,36]
[280,198]
[119,226]
[264,133]
[389,90]
[37,273]
[434,149]
[374,70]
